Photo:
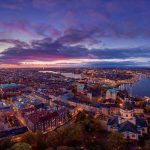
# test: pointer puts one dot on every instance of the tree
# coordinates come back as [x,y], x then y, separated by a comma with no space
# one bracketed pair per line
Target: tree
[88,125]
[65,148]
[74,89]
[80,116]
[69,115]
[94,145]
[98,126]
[40,141]
[49,148]
[118,100]
[141,142]
[70,136]
[73,135]
[6,143]
[147,145]
[53,139]
[28,137]
[116,141]
[21,146]
[36,140]
[90,117]
[147,109]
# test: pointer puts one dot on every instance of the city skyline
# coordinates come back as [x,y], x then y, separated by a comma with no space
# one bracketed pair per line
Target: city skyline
[75,33]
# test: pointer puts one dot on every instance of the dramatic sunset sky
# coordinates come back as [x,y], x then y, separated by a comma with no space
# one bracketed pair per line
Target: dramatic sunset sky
[51,33]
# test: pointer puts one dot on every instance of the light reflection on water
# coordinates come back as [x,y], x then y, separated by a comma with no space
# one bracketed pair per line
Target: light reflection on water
[140,89]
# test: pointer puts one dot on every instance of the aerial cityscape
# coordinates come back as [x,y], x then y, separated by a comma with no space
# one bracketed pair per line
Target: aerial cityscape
[74,75]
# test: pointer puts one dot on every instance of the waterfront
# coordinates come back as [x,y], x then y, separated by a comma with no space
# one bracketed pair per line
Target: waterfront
[140,88]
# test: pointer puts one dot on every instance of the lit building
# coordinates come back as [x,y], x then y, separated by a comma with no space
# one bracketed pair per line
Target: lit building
[80,87]
[111,94]
[127,123]
[44,120]
[89,95]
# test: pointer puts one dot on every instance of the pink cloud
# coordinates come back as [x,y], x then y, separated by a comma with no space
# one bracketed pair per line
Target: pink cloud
[54,33]
[18,26]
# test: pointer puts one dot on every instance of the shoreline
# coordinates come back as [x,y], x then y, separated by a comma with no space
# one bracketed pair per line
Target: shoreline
[129,86]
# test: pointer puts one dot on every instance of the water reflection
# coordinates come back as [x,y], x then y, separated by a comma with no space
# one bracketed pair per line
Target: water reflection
[140,89]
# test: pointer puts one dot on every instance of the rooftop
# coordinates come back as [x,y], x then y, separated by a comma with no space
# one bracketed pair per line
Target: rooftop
[5,86]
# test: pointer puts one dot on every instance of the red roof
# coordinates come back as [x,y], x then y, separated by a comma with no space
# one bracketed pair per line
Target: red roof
[44,115]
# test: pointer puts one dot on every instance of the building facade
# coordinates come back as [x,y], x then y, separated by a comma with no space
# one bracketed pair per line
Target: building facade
[45,120]
[111,94]
[128,123]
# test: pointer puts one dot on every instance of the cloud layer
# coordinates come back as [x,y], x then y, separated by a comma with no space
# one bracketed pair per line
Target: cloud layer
[98,32]
[49,51]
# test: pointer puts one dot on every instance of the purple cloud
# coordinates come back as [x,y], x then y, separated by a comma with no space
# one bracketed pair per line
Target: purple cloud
[49,50]
[59,29]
